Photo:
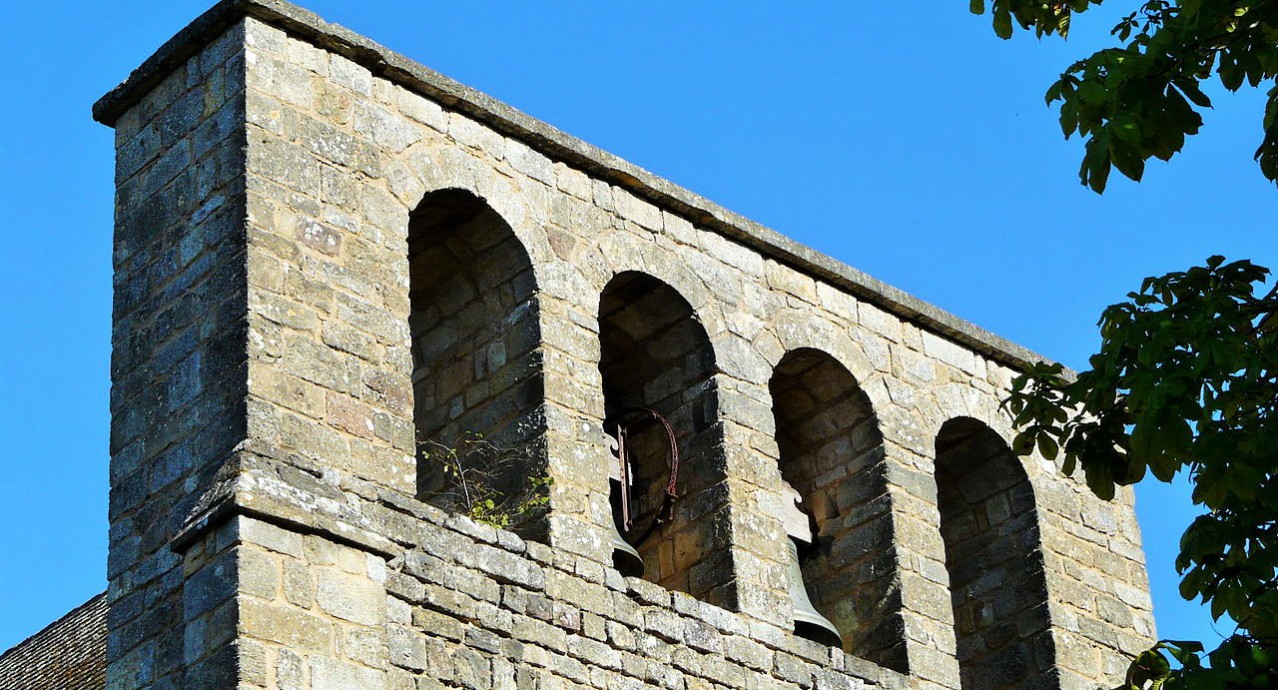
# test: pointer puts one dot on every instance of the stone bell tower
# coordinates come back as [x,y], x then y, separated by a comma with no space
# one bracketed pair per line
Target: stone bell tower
[330,260]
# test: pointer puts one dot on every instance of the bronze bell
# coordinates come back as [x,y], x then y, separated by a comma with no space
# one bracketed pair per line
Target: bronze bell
[624,557]
[807,622]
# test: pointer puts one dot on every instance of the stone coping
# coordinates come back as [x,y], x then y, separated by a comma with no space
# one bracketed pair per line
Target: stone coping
[556,145]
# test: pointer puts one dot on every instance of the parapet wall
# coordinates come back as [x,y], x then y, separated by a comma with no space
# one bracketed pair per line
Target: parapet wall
[327,255]
[461,604]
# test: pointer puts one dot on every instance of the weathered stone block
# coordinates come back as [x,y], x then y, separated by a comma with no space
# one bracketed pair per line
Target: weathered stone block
[350,597]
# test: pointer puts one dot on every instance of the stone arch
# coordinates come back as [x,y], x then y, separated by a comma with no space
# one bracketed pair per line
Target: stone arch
[623,252]
[426,170]
[478,387]
[993,553]
[655,353]
[797,329]
[832,453]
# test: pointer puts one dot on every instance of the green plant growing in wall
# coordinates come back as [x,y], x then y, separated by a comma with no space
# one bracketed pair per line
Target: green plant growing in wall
[478,474]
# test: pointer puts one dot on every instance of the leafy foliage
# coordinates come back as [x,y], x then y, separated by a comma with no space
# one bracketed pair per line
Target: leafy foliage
[479,474]
[1141,99]
[1186,379]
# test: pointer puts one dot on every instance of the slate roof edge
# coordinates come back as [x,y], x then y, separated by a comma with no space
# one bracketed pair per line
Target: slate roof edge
[95,600]
[557,145]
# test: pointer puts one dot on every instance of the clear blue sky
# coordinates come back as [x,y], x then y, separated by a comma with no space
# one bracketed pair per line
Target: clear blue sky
[913,145]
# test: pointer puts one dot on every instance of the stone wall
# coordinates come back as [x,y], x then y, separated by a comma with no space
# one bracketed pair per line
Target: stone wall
[178,343]
[505,614]
[582,286]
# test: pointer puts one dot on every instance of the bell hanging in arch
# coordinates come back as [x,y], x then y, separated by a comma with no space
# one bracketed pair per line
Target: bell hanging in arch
[624,556]
[807,621]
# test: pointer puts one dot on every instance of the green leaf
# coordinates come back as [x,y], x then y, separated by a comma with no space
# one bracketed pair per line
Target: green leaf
[1189,586]
[1070,464]
[1069,117]
[1002,21]
[1193,93]
[1053,93]
[1100,481]
[1127,130]
[1128,161]
[1047,446]
[1023,444]
[1095,170]
[1186,652]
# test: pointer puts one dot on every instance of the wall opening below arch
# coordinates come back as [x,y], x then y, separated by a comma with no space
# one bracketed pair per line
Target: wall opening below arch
[993,554]
[478,391]
[832,454]
[655,354]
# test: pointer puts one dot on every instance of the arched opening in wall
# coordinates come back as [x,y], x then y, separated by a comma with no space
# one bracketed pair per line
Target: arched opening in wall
[477,366]
[994,558]
[832,455]
[655,354]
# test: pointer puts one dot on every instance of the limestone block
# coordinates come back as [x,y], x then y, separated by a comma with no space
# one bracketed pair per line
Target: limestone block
[350,597]
[332,674]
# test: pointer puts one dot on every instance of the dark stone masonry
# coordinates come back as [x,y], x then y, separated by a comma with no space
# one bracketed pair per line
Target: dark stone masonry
[329,258]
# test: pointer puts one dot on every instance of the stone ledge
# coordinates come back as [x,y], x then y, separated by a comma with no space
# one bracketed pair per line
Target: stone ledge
[555,144]
[251,485]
